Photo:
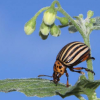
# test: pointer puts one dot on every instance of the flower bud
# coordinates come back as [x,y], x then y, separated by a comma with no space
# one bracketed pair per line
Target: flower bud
[44,29]
[43,37]
[55,31]
[49,16]
[81,15]
[90,14]
[63,20]
[92,20]
[90,25]
[30,26]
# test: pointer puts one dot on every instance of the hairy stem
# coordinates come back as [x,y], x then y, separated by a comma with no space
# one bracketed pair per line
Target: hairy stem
[71,20]
[89,62]
[91,97]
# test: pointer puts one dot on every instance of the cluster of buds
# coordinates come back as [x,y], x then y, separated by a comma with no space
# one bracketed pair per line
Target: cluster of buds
[48,24]
[89,21]
[86,25]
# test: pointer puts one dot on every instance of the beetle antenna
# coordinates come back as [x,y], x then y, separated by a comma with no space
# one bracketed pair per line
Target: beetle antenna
[44,75]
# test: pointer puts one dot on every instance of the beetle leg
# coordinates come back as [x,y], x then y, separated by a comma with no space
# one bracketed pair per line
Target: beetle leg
[80,68]
[87,57]
[91,58]
[67,85]
[72,69]
[89,70]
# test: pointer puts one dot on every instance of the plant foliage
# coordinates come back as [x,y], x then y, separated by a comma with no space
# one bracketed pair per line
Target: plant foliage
[43,87]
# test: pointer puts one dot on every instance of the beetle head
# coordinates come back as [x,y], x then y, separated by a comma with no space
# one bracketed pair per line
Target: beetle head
[59,70]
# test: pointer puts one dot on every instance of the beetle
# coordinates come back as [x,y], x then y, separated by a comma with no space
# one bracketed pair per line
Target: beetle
[69,56]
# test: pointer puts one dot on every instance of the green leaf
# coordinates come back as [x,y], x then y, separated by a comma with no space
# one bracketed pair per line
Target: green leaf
[97,24]
[80,22]
[42,87]
[31,87]
[83,86]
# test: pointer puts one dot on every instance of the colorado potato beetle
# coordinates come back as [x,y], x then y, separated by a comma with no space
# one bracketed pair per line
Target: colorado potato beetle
[70,55]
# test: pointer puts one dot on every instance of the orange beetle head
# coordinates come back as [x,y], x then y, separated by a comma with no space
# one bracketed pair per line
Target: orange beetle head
[59,70]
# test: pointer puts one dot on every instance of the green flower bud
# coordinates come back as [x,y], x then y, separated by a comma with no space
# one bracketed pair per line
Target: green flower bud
[92,20]
[55,31]
[49,16]
[90,14]
[30,26]
[90,25]
[43,37]
[81,15]
[63,20]
[44,29]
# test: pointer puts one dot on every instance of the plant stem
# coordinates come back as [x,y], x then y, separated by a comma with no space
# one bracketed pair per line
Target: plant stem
[80,97]
[41,10]
[56,2]
[71,20]
[62,26]
[90,97]
[89,62]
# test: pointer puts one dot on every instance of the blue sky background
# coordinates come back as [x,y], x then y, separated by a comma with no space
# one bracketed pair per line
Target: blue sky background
[23,56]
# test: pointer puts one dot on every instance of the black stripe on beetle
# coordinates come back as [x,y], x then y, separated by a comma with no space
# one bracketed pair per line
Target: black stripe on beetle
[69,49]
